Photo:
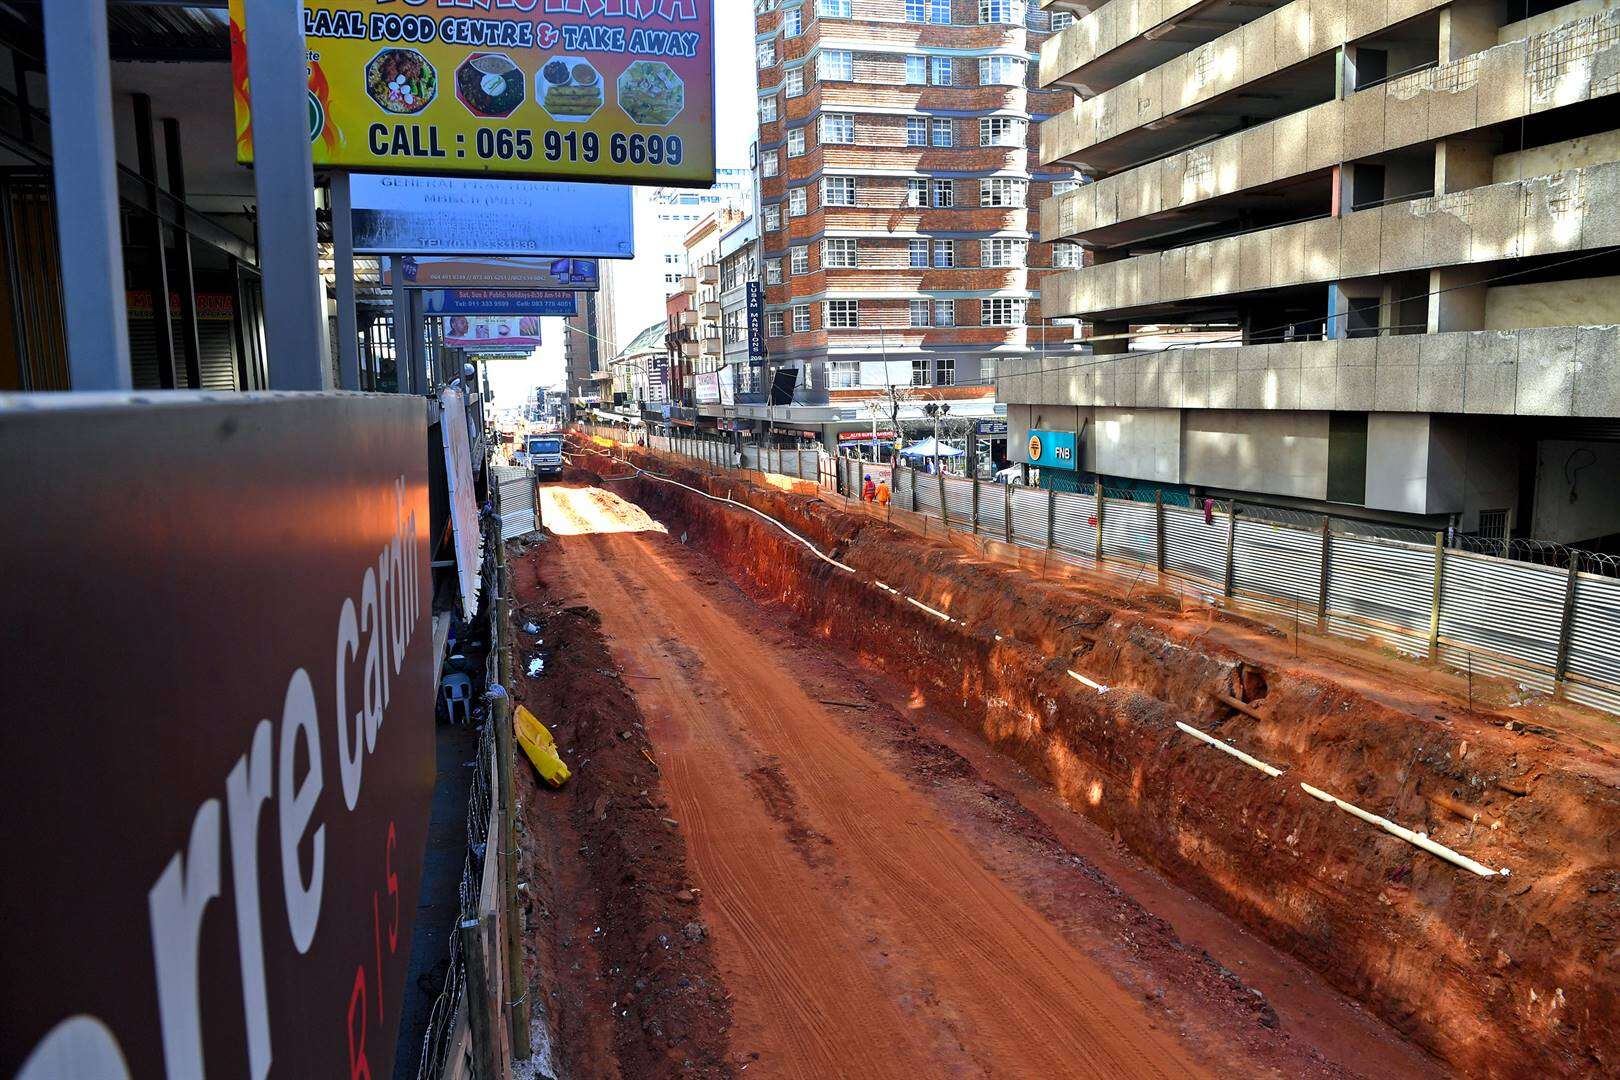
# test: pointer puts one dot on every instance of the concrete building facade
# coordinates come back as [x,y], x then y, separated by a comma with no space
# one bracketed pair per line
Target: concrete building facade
[898,182]
[1403,218]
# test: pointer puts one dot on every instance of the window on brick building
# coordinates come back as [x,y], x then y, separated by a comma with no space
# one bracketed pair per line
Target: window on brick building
[1067,256]
[916,191]
[945,371]
[919,312]
[793,82]
[833,9]
[769,165]
[944,193]
[765,53]
[838,253]
[836,65]
[799,260]
[1001,131]
[838,191]
[939,11]
[919,373]
[944,312]
[916,70]
[1002,191]
[837,128]
[939,70]
[767,109]
[843,314]
[1001,251]
[1001,71]
[1001,311]
[793,22]
[801,318]
[773,271]
[773,218]
[941,132]
[1001,11]
[1061,20]
[774,324]
[798,203]
[795,142]
[944,253]
[916,131]
[917,253]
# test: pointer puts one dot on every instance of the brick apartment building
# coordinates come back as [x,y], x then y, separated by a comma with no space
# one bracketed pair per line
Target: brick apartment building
[898,180]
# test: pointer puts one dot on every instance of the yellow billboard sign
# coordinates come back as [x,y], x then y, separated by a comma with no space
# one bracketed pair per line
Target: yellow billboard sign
[564,89]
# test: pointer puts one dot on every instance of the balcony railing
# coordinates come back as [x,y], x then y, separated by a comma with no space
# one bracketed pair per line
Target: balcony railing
[708,275]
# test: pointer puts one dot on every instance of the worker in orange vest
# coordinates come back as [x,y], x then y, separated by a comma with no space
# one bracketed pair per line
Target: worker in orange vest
[883,493]
[868,489]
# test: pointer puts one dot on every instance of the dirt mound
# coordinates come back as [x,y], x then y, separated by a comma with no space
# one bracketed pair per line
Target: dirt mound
[613,923]
[1505,976]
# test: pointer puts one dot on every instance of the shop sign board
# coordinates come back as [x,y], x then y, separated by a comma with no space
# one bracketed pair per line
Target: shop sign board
[708,387]
[1053,449]
[604,91]
[497,302]
[435,215]
[229,788]
[992,427]
[467,271]
[492,333]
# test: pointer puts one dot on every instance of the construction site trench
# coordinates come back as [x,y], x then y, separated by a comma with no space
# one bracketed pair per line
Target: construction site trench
[1075,695]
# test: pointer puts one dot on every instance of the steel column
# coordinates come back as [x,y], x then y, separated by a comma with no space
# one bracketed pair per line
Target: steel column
[1099,518]
[156,269]
[1434,605]
[343,276]
[1231,547]
[78,77]
[190,342]
[283,177]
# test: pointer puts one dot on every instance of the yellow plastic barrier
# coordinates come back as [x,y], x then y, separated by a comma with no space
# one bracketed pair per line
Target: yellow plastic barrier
[540,747]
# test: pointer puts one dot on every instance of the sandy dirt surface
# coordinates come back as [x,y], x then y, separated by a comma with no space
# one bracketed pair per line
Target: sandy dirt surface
[883,900]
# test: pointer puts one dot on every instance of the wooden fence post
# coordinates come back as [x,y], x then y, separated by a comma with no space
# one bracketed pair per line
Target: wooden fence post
[1051,518]
[480,1014]
[975,505]
[1007,518]
[1231,546]
[1434,606]
[1561,666]
[944,512]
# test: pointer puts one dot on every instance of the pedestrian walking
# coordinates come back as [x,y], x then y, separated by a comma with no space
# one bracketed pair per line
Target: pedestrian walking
[883,493]
[868,489]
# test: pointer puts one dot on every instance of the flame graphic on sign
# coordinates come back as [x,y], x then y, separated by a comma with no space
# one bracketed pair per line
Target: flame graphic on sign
[320,92]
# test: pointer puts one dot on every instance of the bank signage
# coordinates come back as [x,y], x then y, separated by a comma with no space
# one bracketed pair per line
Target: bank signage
[217,813]
[1053,449]
[504,302]
[538,88]
[469,271]
[435,215]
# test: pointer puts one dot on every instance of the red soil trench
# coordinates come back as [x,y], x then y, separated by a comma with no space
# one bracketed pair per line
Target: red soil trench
[1505,976]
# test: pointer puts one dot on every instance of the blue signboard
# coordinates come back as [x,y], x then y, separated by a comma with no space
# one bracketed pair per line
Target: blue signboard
[756,321]
[497,302]
[1053,449]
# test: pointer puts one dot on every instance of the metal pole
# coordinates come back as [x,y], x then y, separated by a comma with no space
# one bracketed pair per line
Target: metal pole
[190,343]
[78,78]
[283,177]
[1051,518]
[150,230]
[1434,606]
[343,275]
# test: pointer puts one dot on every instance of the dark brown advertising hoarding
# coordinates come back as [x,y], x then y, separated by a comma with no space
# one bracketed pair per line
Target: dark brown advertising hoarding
[218,752]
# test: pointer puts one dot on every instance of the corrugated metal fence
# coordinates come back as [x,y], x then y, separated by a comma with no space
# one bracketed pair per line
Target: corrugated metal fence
[1549,628]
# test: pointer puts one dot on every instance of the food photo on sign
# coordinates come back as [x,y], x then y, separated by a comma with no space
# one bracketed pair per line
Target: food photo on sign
[486,88]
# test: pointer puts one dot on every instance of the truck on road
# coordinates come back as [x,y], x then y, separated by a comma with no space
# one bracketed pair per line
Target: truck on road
[545,453]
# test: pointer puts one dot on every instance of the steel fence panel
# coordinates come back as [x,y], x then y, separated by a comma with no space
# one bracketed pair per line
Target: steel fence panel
[925,490]
[514,497]
[1030,509]
[1511,611]
[959,501]
[904,488]
[1277,566]
[1075,528]
[1130,531]
[1381,589]
[1594,643]
[1192,547]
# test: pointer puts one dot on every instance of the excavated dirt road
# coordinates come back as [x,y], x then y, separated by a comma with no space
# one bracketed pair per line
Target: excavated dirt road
[875,904]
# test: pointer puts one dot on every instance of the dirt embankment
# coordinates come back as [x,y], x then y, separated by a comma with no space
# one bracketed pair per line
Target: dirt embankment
[1501,976]
[614,928]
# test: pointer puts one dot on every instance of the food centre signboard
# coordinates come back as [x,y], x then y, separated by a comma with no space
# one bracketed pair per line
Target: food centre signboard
[217,810]
[580,89]
[437,215]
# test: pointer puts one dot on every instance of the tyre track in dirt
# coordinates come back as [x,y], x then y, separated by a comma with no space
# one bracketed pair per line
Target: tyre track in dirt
[896,953]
